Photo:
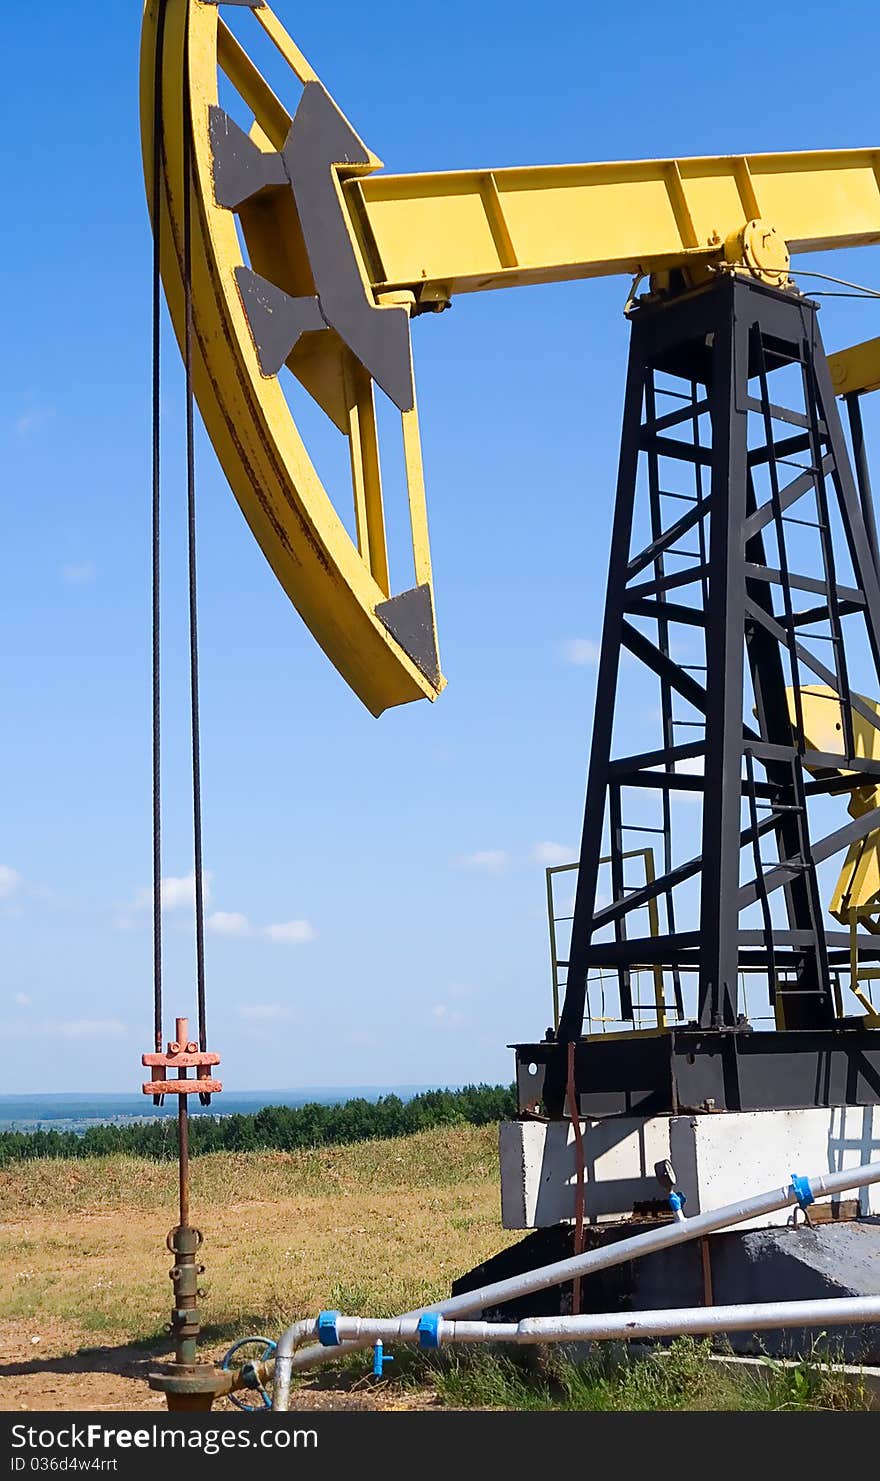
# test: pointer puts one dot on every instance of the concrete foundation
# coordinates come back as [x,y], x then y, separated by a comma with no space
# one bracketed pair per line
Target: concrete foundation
[717,1157]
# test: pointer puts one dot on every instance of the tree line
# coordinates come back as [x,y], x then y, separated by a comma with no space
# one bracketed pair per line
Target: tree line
[273,1128]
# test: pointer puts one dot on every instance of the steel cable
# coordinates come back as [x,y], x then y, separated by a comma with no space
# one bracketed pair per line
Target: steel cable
[191,542]
[158,176]
[861,290]
[156,545]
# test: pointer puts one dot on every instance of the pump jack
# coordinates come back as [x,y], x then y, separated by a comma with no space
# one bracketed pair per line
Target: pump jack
[307,258]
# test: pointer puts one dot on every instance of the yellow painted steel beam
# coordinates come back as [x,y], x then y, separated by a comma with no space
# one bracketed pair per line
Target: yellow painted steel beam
[470,230]
[856,369]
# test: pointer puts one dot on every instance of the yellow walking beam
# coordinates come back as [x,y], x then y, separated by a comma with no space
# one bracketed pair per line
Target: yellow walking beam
[466,231]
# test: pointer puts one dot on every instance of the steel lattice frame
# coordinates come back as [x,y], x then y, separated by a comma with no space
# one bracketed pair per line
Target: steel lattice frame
[718,353]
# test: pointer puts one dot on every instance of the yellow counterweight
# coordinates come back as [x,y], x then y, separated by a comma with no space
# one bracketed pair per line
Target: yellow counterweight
[856,894]
[305,255]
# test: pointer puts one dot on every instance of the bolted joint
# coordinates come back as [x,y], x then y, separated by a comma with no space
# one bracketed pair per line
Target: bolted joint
[183,1240]
[185,1321]
[758,249]
[186,1280]
[191,1385]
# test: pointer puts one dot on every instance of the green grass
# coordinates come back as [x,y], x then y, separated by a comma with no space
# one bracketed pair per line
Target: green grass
[373,1228]
[437,1159]
[680,1377]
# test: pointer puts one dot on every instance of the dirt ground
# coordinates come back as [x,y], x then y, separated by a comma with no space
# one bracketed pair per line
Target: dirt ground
[44,1369]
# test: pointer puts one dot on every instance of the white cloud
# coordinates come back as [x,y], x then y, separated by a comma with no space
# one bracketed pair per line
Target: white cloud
[65,1028]
[229,923]
[689,766]
[10,881]
[45,892]
[28,421]
[552,853]
[692,766]
[85,1028]
[263,1012]
[563,905]
[79,575]
[291,931]
[22,1000]
[444,1016]
[490,860]
[582,652]
[178,893]
[460,990]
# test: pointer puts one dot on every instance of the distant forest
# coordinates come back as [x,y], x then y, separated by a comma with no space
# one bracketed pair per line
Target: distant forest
[274,1128]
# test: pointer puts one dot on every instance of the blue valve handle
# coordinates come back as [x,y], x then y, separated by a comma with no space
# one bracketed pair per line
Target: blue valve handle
[249,1373]
[802,1190]
[326,1329]
[429,1330]
[380,1358]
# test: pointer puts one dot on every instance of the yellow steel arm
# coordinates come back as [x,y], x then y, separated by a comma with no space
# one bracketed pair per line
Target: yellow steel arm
[440,234]
[856,369]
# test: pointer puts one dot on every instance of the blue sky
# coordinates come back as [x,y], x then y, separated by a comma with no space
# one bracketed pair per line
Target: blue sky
[376,888]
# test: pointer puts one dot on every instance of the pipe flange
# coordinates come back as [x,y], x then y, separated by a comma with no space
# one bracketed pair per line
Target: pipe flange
[190,1386]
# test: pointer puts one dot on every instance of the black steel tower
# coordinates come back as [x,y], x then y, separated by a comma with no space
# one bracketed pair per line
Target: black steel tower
[738,525]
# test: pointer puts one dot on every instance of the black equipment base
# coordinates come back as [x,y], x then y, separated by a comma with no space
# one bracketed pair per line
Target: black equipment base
[693,1069]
